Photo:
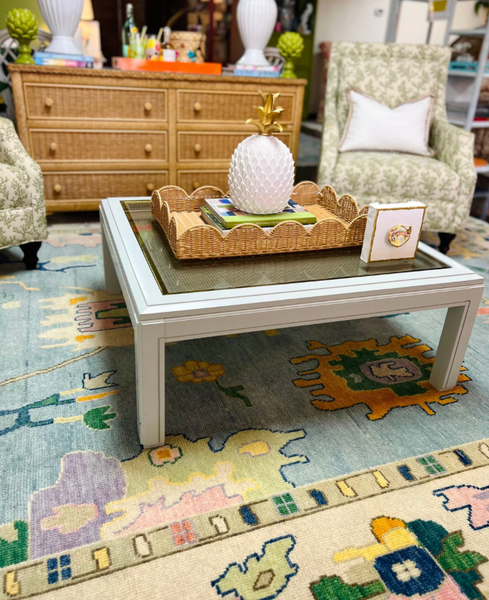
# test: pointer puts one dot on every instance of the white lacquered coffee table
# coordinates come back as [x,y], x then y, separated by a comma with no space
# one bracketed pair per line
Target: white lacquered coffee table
[170,300]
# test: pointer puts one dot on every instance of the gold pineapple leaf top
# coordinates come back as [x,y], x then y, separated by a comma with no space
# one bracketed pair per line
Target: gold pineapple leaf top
[268,113]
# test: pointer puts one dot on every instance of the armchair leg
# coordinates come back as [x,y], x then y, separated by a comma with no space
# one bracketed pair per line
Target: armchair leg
[445,240]
[30,251]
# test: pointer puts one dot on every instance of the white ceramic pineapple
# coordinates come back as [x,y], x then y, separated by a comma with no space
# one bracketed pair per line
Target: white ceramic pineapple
[261,175]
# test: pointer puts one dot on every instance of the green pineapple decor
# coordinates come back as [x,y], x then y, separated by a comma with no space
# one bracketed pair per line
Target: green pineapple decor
[22,26]
[290,45]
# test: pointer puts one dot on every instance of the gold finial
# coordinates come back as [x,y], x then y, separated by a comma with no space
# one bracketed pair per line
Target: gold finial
[268,113]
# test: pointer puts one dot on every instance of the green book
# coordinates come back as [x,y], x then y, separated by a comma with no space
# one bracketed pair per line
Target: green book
[210,219]
[223,211]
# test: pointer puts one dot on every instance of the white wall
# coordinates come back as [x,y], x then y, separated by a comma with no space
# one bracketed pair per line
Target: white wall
[413,24]
[350,21]
[356,21]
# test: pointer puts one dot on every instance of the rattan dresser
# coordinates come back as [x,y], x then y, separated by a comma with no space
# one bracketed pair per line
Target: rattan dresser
[125,133]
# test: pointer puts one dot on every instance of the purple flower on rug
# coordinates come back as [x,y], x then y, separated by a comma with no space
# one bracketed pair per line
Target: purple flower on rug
[71,512]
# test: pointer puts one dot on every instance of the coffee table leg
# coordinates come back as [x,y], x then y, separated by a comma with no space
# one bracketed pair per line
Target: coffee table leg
[453,343]
[111,282]
[149,343]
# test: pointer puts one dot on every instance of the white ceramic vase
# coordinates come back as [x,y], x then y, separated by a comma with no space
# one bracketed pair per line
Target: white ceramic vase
[256,22]
[62,18]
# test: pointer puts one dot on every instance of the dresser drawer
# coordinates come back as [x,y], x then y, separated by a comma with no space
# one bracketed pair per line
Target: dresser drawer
[99,185]
[90,102]
[201,146]
[191,180]
[100,146]
[229,107]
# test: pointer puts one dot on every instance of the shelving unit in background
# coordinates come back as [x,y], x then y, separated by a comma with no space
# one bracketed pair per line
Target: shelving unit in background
[463,86]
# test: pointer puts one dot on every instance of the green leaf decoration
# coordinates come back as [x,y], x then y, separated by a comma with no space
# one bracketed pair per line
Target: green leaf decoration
[430,534]
[15,551]
[453,560]
[467,582]
[50,401]
[97,418]
[444,546]
[234,392]
[333,588]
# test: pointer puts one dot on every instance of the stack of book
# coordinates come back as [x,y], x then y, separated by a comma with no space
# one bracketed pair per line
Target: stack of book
[251,71]
[54,59]
[221,213]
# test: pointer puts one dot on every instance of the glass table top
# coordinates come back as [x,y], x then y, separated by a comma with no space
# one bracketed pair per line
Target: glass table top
[176,276]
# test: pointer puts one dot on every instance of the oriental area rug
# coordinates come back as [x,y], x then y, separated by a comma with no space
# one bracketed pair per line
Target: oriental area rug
[268,484]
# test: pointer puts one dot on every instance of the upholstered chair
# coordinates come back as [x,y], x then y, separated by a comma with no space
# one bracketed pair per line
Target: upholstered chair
[22,209]
[393,74]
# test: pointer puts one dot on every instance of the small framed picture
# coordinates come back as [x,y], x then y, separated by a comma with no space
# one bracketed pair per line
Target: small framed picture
[392,231]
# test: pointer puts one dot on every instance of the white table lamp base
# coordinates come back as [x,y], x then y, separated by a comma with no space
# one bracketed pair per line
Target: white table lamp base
[63,44]
[253,57]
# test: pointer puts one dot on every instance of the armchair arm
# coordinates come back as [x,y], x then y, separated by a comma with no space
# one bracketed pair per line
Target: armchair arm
[331,132]
[329,148]
[455,147]
[22,209]
[12,152]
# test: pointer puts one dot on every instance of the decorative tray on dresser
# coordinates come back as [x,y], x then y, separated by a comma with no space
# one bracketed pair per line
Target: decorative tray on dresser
[107,133]
[340,223]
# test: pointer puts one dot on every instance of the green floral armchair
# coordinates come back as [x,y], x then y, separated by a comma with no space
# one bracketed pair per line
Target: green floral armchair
[392,74]
[22,209]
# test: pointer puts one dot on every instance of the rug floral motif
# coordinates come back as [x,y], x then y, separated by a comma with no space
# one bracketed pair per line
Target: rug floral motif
[253,422]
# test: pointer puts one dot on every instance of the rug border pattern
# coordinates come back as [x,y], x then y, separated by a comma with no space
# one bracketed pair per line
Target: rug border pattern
[30,578]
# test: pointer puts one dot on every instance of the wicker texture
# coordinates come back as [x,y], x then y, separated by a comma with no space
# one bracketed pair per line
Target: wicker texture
[108,74]
[71,186]
[188,41]
[194,145]
[84,120]
[79,102]
[231,106]
[192,180]
[99,145]
[340,224]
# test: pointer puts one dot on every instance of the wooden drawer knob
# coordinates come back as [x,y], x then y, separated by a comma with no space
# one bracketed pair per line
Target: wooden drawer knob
[148,107]
[198,147]
[196,184]
[53,146]
[148,148]
[49,102]
[150,187]
[197,107]
[57,188]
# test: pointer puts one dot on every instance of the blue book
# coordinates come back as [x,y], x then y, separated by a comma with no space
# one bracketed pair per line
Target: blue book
[250,73]
[58,62]
[58,56]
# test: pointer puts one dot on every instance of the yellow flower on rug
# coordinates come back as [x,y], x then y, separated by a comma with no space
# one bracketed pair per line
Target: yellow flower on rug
[198,371]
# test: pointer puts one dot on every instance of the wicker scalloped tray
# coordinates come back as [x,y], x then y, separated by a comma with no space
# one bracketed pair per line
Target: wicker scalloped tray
[340,224]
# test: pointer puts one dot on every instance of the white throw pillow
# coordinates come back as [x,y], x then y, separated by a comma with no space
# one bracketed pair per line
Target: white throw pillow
[374,126]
